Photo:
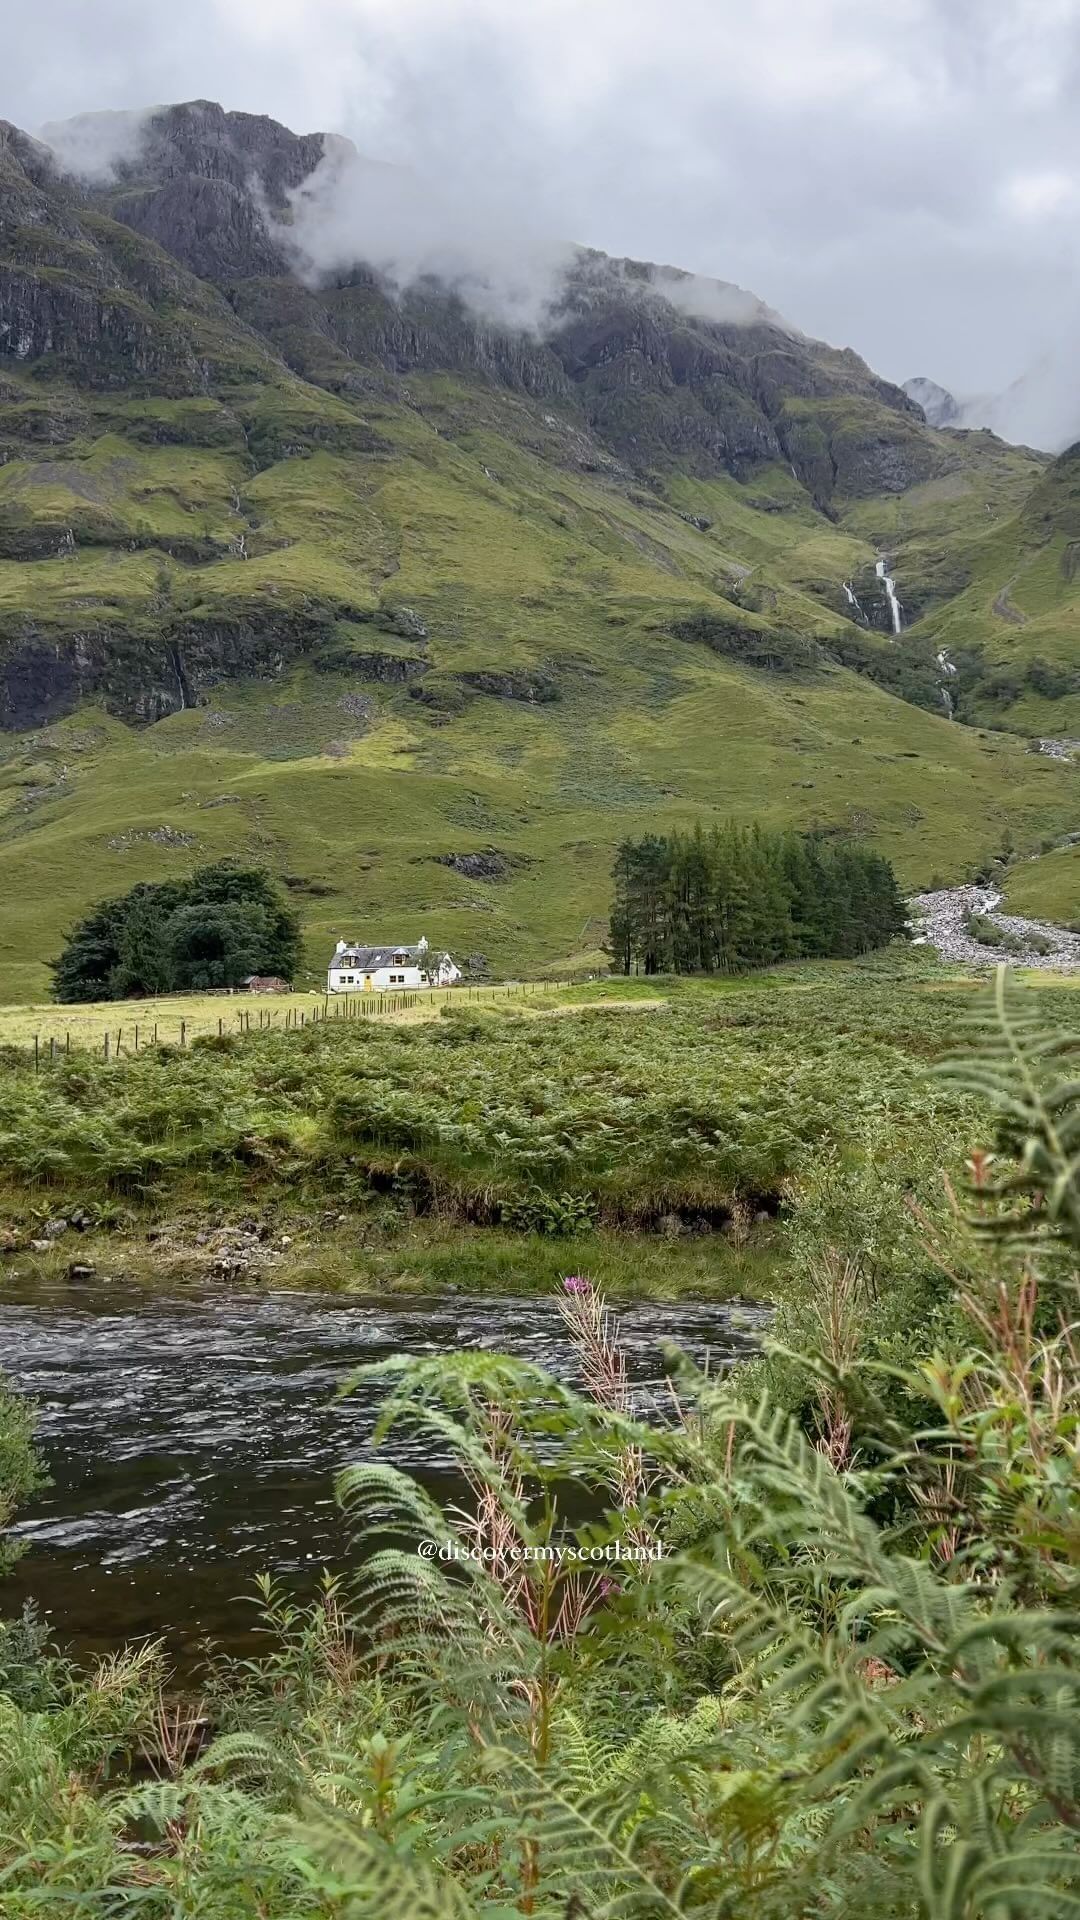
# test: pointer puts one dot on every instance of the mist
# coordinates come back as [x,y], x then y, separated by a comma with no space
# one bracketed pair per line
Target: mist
[904,182]
[356,212]
[1042,408]
[353,212]
[95,146]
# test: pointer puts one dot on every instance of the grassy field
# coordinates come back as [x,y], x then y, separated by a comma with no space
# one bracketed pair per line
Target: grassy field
[654,1133]
[132,1024]
[643,1103]
[1047,888]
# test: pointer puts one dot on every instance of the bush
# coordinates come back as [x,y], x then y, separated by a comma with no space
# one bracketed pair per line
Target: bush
[20,1469]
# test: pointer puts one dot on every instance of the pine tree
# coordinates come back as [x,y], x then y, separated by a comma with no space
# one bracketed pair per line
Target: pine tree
[740,897]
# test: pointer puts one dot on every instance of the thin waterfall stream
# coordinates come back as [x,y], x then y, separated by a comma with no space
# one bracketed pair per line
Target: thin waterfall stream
[889,585]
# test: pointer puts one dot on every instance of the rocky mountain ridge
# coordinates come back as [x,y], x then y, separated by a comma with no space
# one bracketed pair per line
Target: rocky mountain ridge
[398,579]
[648,379]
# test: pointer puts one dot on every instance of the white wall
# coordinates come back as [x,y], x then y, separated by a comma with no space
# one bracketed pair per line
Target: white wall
[354,979]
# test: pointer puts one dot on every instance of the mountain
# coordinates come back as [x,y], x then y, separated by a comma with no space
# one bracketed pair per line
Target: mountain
[938,404]
[347,572]
[1040,409]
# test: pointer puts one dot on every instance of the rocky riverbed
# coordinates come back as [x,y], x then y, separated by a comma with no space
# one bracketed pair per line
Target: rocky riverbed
[938,920]
[1059,749]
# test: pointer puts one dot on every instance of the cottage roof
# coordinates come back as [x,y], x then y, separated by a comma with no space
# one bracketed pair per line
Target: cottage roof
[371,958]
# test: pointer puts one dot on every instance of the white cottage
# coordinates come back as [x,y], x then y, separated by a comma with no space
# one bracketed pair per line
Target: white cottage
[356,969]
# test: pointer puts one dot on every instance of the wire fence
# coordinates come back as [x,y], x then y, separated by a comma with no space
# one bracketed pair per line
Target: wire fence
[163,1026]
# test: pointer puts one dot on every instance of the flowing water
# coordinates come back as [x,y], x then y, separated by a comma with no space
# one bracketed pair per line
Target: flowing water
[192,1437]
[889,585]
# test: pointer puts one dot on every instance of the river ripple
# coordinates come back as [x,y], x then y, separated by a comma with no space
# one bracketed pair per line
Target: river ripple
[192,1437]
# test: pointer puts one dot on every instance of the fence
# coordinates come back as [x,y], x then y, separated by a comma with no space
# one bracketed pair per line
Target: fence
[131,1037]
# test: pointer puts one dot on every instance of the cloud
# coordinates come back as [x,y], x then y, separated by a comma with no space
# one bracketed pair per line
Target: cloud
[1041,408]
[93,146]
[352,211]
[1040,196]
[890,178]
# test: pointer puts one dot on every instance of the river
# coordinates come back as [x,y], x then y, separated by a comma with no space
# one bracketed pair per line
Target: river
[192,1436]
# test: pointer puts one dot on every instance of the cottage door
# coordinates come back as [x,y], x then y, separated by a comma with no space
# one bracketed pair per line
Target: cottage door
[367,983]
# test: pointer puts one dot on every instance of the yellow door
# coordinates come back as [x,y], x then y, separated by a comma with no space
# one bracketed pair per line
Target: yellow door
[367,983]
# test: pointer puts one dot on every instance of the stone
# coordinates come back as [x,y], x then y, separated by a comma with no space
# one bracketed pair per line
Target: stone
[487,863]
[41,1246]
[404,621]
[54,1228]
[81,1270]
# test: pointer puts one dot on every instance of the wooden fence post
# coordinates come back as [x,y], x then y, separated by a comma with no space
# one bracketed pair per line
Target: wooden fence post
[183,1033]
[35,1053]
[106,1041]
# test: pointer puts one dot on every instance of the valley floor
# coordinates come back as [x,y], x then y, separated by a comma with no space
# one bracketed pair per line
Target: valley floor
[649,1134]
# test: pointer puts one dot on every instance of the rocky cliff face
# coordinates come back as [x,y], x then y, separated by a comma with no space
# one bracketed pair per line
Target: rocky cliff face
[143,673]
[161,307]
[204,182]
[623,349]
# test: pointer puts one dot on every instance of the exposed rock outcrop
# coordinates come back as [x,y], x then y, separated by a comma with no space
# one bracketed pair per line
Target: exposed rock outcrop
[659,366]
[143,676]
[535,688]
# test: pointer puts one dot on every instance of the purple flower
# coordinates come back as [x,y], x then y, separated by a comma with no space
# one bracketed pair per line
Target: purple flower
[607,1587]
[576,1283]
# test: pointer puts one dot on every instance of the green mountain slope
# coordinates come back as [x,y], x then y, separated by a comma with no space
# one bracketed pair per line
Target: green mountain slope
[1022,607]
[428,615]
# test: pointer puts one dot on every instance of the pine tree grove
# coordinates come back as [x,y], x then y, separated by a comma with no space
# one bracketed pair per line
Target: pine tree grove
[742,897]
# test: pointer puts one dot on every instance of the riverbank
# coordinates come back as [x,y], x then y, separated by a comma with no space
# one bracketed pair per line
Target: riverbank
[344,1253]
[400,1631]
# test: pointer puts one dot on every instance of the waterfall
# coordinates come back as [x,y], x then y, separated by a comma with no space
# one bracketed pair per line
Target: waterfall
[853,600]
[948,698]
[889,585]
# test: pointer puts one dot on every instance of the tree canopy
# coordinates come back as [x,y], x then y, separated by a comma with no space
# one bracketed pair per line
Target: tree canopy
[211,930]
[742,897]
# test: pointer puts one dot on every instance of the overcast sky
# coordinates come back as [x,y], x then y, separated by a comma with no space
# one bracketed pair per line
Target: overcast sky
[901,176]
